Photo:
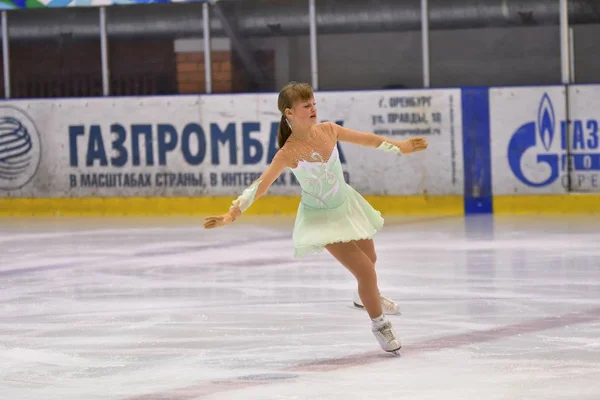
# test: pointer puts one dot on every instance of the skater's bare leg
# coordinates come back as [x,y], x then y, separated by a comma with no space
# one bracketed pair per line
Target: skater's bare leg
[368,247]
[358,263]
[361,266]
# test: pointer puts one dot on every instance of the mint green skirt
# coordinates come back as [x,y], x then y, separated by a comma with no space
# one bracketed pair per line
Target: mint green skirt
[315,228]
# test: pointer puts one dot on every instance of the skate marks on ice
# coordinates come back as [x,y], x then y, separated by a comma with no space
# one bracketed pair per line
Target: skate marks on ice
[378,356]
[217,387]
[178,251]
[12,235]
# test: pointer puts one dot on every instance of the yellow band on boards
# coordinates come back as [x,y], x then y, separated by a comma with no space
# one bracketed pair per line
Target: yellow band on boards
[266,205]
[288,205]
[548,204]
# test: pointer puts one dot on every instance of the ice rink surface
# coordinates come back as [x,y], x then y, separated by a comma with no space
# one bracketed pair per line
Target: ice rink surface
[159,308]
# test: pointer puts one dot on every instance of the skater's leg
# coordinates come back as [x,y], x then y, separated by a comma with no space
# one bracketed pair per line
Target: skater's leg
[368,247]
[359,264]
[390,307]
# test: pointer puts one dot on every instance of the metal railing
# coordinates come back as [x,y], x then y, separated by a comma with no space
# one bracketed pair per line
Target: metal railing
[109,86]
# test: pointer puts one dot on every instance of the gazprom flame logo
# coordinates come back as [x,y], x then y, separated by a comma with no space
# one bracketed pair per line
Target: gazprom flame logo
[527,137]
[546,122]
[19,148]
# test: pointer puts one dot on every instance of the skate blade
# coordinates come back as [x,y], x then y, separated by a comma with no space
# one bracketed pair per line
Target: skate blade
[395,352]
[359,306]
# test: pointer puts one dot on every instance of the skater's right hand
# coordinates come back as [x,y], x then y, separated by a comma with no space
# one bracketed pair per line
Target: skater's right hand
[218,221]
[225,219]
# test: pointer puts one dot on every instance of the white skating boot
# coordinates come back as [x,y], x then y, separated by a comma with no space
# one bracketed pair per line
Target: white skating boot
[388,306]
[386,336]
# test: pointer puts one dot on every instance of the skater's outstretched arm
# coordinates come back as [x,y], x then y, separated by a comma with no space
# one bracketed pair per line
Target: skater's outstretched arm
[249,195]
[372,140]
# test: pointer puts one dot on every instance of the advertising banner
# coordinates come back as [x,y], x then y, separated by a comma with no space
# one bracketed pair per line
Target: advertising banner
[584,143]
[217,145]
[26,4]
[528,138]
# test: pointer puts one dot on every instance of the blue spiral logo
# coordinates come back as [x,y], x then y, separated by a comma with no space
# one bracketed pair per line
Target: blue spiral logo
[19,148]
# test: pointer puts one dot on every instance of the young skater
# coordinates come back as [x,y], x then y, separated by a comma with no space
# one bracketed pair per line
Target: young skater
[331,214]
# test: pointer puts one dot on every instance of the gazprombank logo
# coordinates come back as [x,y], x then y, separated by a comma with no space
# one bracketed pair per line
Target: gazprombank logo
[20,148]
[576,156]
[526,137]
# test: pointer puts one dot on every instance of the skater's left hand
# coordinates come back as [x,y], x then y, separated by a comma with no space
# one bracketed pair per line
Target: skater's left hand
[413,145]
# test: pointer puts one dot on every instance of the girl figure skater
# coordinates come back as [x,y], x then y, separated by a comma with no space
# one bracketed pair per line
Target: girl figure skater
[331,214]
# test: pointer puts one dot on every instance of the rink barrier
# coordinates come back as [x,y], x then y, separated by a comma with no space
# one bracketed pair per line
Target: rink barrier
[506,154]
[162,154]
[544,146]
[478,196]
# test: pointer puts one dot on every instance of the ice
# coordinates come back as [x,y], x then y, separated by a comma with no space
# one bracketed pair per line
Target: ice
[501,307]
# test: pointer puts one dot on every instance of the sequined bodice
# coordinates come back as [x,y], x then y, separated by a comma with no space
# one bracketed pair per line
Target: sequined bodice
[322,180]
[315,162]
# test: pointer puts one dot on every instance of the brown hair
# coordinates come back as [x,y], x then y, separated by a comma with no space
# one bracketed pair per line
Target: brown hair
[291,93]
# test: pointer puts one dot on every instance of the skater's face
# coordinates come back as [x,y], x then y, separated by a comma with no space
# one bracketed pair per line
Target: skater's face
[303,114]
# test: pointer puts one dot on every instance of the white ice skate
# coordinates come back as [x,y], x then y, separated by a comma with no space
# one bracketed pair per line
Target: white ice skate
[388,306]
[387,338]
